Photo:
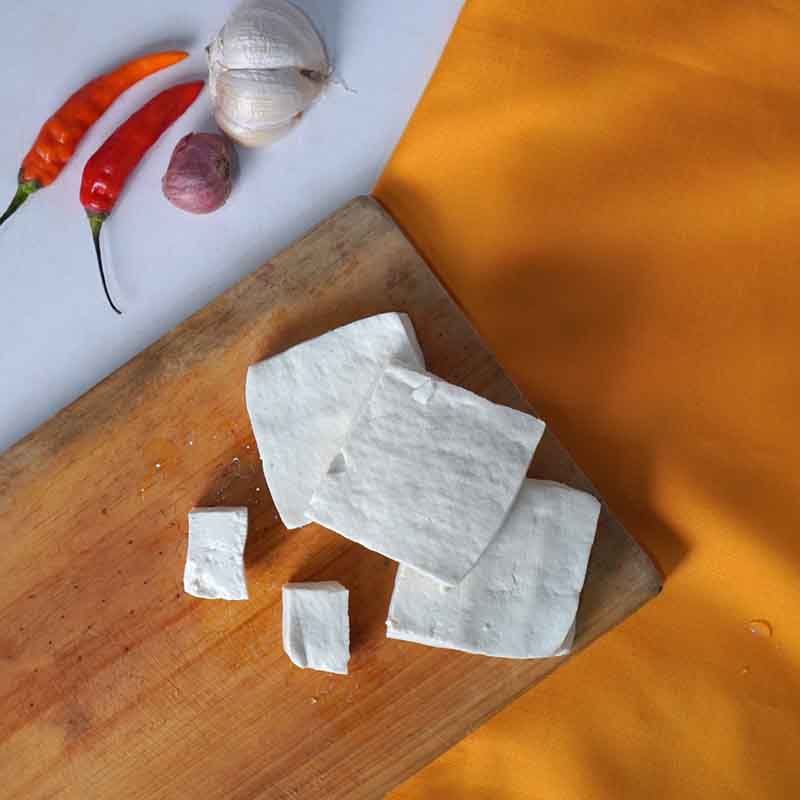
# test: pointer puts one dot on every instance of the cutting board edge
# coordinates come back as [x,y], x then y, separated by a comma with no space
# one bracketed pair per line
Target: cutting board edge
[477,723]
[15,457]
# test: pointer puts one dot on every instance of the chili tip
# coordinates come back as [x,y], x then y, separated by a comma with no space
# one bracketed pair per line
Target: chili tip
[24,190]
[96,223]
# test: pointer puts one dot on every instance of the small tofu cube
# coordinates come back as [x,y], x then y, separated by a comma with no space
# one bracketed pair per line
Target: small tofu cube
[302,402]
[316,626]
[428,473]
[215,557]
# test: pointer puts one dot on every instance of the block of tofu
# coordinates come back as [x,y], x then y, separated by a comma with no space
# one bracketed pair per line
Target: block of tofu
[215,557]
[302,402]
[316,626]
[521,599]
[428,473]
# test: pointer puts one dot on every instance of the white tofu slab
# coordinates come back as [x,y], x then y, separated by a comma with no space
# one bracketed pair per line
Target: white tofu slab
[302,402]
[316,626]
[427,474]
[521,599]
[215,557]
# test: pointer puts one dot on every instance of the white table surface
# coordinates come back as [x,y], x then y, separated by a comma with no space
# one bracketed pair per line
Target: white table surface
[59,336]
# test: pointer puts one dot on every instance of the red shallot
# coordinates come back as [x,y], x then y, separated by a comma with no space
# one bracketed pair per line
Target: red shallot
[200,173]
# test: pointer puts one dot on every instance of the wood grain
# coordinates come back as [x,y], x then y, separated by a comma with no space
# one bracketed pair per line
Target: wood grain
[113,683]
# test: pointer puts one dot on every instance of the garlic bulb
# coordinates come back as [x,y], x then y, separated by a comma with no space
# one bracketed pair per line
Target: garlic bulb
[266,67]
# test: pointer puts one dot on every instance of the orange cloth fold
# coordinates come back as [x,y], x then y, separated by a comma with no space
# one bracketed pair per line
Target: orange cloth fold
[611,192]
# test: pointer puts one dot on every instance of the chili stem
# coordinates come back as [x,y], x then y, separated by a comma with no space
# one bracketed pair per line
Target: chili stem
[96,223]
[24,191]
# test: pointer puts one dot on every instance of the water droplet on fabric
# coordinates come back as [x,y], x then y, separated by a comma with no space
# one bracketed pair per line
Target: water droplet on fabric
[760,628]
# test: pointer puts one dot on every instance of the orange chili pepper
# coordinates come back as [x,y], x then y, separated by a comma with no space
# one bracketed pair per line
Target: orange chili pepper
[60,135]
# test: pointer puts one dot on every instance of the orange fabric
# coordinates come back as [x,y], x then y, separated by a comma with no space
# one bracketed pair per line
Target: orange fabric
[612,192]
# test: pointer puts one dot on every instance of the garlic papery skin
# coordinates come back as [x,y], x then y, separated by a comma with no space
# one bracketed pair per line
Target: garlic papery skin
[263,98]
[254,137]
[269,34]
[266,67]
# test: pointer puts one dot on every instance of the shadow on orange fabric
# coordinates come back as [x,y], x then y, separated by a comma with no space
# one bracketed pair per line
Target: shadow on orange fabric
[611,195]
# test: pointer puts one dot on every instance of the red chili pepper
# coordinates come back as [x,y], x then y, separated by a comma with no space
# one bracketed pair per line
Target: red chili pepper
[107,170]
[60,135]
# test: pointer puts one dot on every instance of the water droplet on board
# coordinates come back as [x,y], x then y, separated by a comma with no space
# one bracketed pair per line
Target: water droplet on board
[744,671]
[760,628]
[159,455]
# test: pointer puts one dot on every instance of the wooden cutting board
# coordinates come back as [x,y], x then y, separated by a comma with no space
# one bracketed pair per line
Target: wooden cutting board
[113,683]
